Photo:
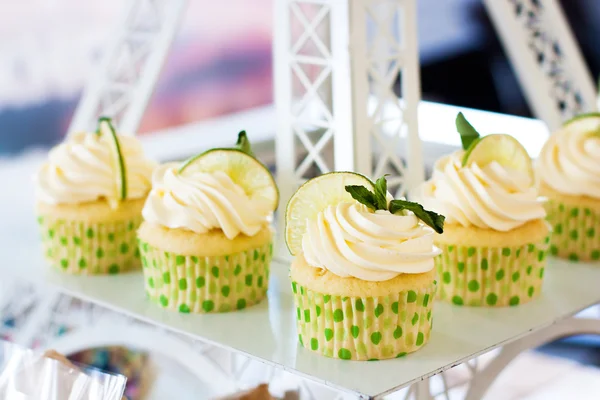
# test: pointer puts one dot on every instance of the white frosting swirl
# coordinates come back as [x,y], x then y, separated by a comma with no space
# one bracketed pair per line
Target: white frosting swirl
[570,160]
[489,197]
[350,240]
[201,201]
[81,169]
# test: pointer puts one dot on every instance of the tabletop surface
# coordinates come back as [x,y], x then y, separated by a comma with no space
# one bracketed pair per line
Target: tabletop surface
[267,332]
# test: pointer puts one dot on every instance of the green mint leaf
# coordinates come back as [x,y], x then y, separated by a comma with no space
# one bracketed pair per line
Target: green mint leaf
[468,134]
[244,144]
[434,220]
[362,195]
[381,193]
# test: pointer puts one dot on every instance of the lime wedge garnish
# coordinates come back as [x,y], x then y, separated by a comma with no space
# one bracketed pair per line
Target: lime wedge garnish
[314,196]
[589,123]
[243,169]
[504,149]
[108,133]
[582,116]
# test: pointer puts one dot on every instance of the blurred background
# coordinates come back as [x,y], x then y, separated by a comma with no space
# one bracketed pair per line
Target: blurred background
[221,63]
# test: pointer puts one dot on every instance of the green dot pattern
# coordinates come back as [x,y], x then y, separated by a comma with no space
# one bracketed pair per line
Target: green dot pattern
[576,231]
[590,233]
[364,328]
[345,354]
[78,248]
[338,315]
[484,264]
[491,299]
[446,277]
[183,284]
[208,284]
[314,344]
[358,304]
[398,332]
[473,286]
[184,308]
[376,338]
[491,276]
[411,297]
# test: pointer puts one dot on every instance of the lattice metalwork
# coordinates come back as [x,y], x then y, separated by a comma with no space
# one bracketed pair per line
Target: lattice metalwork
[385,51]
[304,93]
[17,302]
[546,57]
[336,67]
[129,68]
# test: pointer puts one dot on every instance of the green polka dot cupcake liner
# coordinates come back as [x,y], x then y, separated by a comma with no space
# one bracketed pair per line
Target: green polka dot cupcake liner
[364,328]
[194,284]
[83,248]
[576,232]
[491,276]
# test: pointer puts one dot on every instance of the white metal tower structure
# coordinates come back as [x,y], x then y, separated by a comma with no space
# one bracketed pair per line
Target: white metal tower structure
[130,65]
[336,65]
[546,58]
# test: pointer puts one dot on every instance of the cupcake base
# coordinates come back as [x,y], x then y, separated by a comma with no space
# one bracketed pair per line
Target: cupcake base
[576,226]
[362,327]
[91,239]
[204,283]
[490,276]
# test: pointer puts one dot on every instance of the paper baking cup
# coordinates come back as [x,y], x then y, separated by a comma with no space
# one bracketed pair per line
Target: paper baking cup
[364,328]
[191,284]
[576,233]
[90,248]
[491,276]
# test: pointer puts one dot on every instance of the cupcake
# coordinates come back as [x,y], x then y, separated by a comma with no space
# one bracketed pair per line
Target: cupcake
[89,199]
[206,241]
[569,173]
[363,276]
[495,238]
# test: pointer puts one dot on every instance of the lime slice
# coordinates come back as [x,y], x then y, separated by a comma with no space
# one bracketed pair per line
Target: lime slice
[504,149]
[582,116]
[589,123]
[107,132]
[314,196]
[243,169]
